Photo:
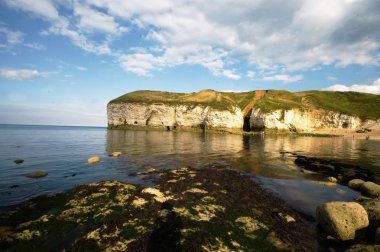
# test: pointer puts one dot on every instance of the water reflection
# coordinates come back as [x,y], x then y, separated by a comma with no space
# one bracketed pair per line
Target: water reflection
[267,158]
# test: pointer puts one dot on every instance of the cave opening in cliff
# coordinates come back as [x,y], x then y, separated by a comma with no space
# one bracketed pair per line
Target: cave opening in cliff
[246,125]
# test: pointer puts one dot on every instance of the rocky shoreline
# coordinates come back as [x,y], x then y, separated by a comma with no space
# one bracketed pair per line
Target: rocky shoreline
[187,210]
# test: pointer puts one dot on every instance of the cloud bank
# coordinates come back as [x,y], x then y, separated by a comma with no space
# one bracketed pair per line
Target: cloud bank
[265,35]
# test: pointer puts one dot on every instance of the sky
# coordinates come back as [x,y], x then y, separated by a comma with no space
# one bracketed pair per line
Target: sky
[62,61]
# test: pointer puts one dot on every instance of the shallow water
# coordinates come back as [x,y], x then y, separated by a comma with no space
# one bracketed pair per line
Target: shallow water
[63,153]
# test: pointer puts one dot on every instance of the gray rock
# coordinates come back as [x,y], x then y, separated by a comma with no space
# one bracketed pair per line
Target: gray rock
[342,219]
[355,183]
[370,189]
[37,174]
[373,209]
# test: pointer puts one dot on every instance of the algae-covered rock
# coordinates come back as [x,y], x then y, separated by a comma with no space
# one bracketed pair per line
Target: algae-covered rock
[37,174]
[355,184]
[19,161]
[342,219]
[373,209]
[208,213]
[370,189]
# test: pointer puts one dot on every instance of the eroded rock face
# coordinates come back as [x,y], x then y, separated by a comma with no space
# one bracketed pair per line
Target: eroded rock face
[296,119]
[163,115]
[342,219]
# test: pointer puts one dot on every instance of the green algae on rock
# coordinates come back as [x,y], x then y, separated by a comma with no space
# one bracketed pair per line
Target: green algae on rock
[113,216]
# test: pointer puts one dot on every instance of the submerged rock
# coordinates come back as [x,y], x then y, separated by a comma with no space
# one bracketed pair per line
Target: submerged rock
[93,160]
[370,189]
[37,174]
[342,219]
[19,161]
[355,183]
[116,154]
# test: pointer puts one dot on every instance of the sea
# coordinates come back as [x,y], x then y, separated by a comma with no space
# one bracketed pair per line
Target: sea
[63,151]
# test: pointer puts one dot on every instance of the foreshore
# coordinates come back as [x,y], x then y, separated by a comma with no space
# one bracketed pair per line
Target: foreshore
[210,209]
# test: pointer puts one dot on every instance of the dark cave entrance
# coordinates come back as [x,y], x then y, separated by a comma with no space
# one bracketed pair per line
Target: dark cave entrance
[246,125]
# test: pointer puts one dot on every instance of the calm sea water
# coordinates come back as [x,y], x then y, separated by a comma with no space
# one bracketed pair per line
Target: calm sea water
[63,153]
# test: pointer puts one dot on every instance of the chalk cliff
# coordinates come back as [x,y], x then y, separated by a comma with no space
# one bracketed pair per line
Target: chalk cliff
[164,115]
[273,109]
[296,119]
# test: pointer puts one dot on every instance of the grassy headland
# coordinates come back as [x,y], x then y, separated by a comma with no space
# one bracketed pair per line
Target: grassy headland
[363,105]
[214,99]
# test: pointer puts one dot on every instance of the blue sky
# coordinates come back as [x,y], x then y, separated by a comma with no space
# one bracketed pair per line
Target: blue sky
[61,61]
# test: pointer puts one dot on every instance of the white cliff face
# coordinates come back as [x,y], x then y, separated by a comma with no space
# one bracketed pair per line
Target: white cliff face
[295,119]
[163,115]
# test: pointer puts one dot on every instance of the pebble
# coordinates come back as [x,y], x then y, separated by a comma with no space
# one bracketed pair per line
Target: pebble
[93,160]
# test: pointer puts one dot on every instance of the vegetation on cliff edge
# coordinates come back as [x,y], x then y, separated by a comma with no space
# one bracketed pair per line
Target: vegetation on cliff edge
[363,105]
[214,99]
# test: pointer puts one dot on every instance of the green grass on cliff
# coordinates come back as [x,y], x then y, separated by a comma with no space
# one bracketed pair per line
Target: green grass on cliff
[214,99]
[365,106]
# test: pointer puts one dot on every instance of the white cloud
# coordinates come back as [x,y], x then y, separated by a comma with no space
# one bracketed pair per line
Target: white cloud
[43,8]
[81,68]
[36,46]
[251,74]
[267,35]
[373,88]
[283,77]
[230,74]
[12,37]
[93,20]
[22,74]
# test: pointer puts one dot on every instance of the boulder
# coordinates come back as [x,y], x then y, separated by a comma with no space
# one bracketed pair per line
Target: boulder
[373,209]
[342,219]
[93,160]
[37,174]
[370,189]
[355,183]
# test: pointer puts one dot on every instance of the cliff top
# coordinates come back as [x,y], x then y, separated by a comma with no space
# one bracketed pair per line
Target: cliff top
[208,97]
[365,106]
